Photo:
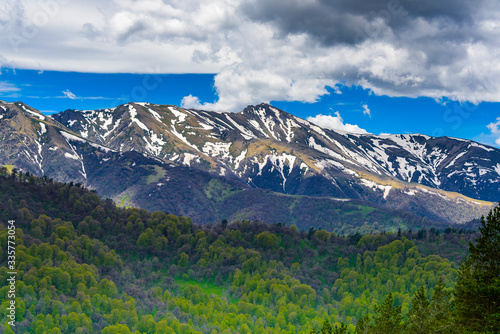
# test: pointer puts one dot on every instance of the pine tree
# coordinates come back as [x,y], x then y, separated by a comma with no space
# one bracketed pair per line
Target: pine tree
[477,292]
[419,317]
[387,318]
[340,329]
[441,310]
[327,328]
[430,316]
[363,325]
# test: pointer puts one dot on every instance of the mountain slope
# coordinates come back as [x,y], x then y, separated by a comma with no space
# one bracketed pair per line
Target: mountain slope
[269,148]
[165,158]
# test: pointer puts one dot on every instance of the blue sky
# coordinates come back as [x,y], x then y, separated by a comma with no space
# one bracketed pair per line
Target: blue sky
[379,66]
[51,91]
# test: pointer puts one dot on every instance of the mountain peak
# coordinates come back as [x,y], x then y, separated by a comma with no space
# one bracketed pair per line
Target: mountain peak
[20,107]
[266,109]
[261,147]
[264,138]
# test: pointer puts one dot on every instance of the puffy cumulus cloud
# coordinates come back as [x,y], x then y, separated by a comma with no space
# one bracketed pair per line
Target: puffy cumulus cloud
[494,128]
[395,48]
[335,123]
[269,50]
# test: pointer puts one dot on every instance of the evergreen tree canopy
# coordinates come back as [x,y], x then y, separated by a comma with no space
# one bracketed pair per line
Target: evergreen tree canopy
[477,292]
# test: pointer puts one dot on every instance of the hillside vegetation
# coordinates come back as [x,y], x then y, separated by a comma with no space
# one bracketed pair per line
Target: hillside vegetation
[87,266]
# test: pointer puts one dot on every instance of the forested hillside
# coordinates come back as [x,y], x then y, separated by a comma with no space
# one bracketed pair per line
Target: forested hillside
[87,266]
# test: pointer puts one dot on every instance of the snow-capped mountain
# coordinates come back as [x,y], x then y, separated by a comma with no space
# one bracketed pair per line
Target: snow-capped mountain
[260,147]
[262,139]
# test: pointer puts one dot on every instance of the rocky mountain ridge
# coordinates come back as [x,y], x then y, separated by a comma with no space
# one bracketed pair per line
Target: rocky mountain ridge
[261,147]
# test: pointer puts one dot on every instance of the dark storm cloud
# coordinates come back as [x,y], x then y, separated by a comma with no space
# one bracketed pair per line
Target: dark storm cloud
[352,21]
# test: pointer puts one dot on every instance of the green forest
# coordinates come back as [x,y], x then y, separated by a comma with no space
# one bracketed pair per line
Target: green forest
[85,265]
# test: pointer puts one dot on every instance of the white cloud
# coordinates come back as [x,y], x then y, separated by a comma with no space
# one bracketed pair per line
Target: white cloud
[366,110]
[494,127]
[335,123]
[70,95]
[268,50]
[8,87]
[191,102]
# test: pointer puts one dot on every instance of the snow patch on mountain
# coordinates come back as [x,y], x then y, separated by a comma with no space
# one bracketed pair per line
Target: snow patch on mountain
[205,126]
[181,137]
[289,129]
[257,127]
[106,122]
[43,129]
[188,158]
[73,156]
[324,164]
[69,136]
[133,119]
[304,166]
[157,116]
[239,159]
[244,132]
[380,155]
[40,116]
[489,149]
[115,126]
[219,149]
[318,147]
[456,158]
[409,143]
[373,185]
[179,115]
[405,170]
[269,124]
[279,161]
[155,145]
[497,168]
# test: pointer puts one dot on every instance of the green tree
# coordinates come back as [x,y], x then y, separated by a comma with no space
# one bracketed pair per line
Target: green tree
[387,317]
[116,329]
[267,240]
[183,261]
[340,329]
[419,317]
[363,325]
[477,292]
[441,309]
[322,235]
[327,328]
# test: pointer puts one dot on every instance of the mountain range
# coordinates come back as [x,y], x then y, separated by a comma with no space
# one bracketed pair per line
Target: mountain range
[259,164]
